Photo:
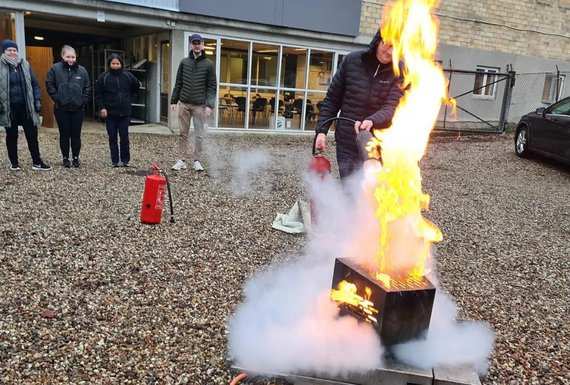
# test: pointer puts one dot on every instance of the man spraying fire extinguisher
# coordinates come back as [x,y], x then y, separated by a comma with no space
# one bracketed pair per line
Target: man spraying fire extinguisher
[365,89]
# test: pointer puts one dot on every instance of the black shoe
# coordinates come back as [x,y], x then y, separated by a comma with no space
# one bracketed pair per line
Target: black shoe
[41,167]
[66,163]
[75,162]
[115,165]
[15,167]
[126,164]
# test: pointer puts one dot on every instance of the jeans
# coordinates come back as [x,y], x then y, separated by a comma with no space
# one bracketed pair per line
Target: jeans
[120,125]
[19,117]
[69,125]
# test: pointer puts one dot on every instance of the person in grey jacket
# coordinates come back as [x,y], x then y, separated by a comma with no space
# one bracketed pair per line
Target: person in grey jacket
[20,103]
[195,89]
[68,85]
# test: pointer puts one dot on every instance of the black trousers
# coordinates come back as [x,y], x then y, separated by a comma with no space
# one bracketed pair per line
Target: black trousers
[69,124]
[19,117]
[119,124]
[348,160]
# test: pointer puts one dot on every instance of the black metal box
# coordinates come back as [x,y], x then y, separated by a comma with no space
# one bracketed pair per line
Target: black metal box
[404,308]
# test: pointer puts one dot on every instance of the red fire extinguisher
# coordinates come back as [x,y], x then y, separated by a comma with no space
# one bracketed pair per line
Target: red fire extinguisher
[153,197]
[321,166]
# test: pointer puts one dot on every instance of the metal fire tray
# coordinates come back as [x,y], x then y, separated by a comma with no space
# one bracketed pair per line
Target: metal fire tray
[404,308]
[394,373]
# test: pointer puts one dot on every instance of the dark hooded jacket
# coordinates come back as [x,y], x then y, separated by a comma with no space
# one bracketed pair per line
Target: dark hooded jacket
[195,81]
[362,89]
[68,86]
[113,91]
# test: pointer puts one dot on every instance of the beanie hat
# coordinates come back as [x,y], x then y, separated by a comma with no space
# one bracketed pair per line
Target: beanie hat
[8,44]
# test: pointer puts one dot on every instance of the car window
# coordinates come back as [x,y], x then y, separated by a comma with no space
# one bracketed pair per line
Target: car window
[560,108]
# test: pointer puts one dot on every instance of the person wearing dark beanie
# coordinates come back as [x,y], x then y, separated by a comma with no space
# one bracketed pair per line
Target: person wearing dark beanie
[20,104]
[9,44]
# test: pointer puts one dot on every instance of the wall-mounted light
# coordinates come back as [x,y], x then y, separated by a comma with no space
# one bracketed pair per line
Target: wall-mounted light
[39,38]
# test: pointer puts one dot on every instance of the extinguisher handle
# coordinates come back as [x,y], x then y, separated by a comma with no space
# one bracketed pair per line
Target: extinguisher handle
[154,166]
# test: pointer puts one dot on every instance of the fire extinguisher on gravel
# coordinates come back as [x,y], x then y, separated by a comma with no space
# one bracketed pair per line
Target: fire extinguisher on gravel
[153,197]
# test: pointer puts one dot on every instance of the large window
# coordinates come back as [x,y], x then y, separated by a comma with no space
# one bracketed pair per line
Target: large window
[293,67]
[269,86]
[234,62]
[264,65]
[553,86]
[320,69]
[486,82]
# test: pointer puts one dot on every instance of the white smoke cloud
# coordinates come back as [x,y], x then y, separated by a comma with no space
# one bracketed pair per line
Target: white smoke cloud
[449,343]
[251,175]
[287,323]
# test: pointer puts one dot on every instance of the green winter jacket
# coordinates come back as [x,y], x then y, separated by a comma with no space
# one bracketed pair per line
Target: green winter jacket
[195,81]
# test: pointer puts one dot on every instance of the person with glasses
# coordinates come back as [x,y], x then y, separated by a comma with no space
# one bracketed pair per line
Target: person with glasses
[195,91]
[20,104]
[366,89]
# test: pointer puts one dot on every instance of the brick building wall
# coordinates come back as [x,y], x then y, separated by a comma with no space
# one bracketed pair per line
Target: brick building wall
[536,28]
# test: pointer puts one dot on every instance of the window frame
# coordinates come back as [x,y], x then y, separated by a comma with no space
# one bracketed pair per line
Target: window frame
[486,72]
[278,89]
[551,97]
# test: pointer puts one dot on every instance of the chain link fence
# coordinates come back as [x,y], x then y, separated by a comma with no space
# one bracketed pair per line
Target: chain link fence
[480,101]
[534,90]
[489,101]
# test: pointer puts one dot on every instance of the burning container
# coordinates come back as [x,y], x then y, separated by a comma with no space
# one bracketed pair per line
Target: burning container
[399,310]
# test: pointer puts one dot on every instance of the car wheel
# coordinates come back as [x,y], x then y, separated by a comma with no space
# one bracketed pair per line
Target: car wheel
[521,142]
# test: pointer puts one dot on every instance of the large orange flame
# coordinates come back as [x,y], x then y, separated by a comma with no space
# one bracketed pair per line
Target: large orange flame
[405,236]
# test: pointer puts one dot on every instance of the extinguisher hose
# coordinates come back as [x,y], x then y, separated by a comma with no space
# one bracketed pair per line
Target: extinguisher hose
[169,195]
[325,122]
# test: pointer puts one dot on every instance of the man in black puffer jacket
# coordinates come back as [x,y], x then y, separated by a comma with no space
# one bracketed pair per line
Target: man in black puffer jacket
[195,89]
[366,89]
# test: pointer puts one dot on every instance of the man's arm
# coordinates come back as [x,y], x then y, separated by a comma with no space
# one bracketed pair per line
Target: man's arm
[211,87]
[333,98]
[177,86]
[383,117]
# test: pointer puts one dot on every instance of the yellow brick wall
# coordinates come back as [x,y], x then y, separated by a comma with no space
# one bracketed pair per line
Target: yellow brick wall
[524,27]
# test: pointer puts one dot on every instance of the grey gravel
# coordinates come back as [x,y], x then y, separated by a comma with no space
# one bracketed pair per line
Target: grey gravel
[89,295]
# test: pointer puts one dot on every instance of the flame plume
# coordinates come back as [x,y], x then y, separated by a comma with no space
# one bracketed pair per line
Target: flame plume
[405,236]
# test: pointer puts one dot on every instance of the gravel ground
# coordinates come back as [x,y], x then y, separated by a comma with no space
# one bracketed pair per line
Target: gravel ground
[90,295]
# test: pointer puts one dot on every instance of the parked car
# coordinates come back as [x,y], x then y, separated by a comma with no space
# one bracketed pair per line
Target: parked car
[545,131]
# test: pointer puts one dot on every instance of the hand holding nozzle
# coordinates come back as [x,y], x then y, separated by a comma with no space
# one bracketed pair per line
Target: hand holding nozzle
[365,125]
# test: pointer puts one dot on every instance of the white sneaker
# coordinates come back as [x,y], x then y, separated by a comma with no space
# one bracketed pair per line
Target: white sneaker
[181,164]
[198,166]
